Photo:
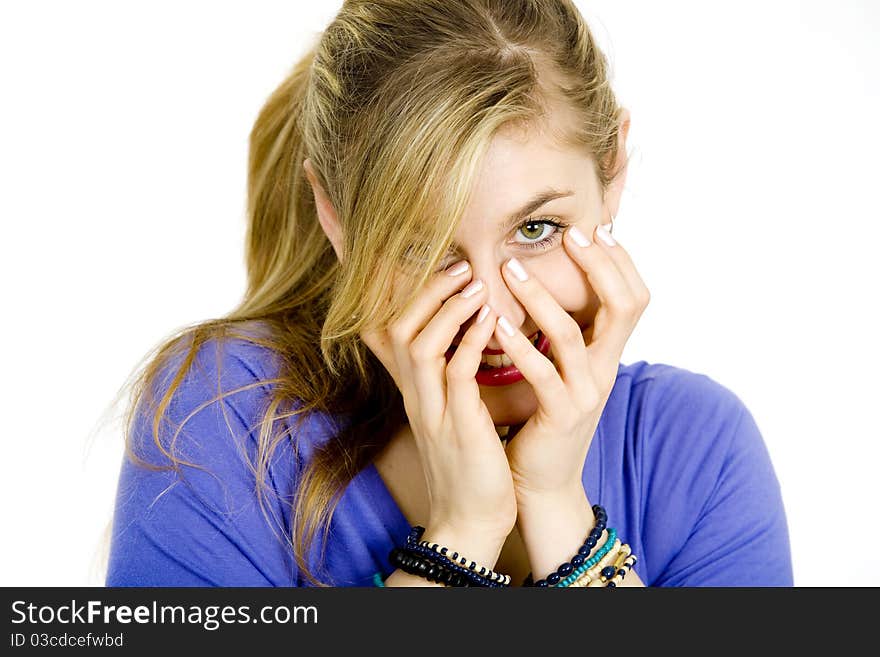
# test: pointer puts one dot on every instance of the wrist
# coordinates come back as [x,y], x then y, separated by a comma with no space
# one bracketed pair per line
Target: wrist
[479,546]
[537,503]
[553,527]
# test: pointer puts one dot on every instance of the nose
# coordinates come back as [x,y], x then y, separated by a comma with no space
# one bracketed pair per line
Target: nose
[500,298]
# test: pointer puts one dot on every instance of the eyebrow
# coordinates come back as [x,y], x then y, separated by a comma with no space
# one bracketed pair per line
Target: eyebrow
[540,198]
[544,196]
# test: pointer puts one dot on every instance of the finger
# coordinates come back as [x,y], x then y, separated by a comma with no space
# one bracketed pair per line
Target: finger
[427,352]
[616,316]
[425,305]
[463,392]
[560,328]
[537,369]
[625,265]
[416,315]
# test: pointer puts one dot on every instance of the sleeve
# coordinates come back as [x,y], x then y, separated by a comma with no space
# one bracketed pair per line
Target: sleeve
[205,525]
[715,504]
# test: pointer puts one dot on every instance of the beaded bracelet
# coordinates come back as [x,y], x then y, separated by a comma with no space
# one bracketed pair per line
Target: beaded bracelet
[483,579]
[580,579]
[603,580]
[610,571]
[578,565]
[423,559]
[577,561]
[423,567]
[612,545]
[625,567]
[595,571]
[442,550]
[475,578]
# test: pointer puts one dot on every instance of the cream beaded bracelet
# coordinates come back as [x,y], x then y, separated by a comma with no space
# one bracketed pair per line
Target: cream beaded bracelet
[591,575]
[625,567]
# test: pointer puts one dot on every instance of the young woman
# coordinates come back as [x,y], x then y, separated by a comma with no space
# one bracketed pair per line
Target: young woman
[422,385]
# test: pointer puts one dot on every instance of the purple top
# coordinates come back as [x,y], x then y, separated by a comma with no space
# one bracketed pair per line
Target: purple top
[677,461]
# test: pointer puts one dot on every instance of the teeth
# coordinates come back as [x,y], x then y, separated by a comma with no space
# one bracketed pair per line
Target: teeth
[503,360]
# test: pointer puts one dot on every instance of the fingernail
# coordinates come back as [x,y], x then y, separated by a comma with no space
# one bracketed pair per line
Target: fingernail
[483,312]
[518,270]
[604,235]
[579,238]
[472,289]
[505,325]
[458,268]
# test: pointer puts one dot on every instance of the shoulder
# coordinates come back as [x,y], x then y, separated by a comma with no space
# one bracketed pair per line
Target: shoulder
[673,408]
[218,363]
[680,421]
[229,399]
[665,384]
[217,376]
[199,419]
[186,511]
[699,475]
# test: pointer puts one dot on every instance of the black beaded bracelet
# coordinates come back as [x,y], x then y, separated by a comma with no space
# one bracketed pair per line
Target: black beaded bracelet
[434,552]
[433,572]
[475,578]
[565,569]
[413,548]
[455,557]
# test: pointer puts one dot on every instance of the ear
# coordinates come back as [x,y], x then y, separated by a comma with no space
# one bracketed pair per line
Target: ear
[615,188]
[326,213]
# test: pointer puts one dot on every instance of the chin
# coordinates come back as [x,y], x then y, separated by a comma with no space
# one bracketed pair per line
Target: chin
[509,405]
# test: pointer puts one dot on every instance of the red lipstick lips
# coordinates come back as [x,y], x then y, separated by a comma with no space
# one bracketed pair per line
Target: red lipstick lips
[502,376]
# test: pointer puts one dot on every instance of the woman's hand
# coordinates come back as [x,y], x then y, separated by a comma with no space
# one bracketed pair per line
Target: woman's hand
[472,499]
[547,455]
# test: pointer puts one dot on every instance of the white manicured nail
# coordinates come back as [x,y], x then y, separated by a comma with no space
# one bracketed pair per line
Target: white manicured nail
[458,268]
[472,289]
[515,266]
[605,236]
[483,312]
[505,325]
[579,238]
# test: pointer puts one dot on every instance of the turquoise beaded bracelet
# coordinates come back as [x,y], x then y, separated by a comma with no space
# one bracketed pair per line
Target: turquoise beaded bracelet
[592,561]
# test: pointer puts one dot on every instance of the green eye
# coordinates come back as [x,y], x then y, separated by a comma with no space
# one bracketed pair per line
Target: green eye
[533,230]
[537,233]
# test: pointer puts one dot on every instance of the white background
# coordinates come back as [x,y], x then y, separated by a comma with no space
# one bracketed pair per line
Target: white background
[751,211]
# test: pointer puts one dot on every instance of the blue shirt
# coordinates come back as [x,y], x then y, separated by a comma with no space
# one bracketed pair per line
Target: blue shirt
[677,461]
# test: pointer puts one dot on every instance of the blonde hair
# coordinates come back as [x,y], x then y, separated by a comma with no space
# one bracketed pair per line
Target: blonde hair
[394,106]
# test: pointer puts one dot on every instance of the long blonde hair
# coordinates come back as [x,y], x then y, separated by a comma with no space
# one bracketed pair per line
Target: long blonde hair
[394,105]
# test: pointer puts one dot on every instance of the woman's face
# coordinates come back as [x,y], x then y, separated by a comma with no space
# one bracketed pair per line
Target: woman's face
[502,221]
